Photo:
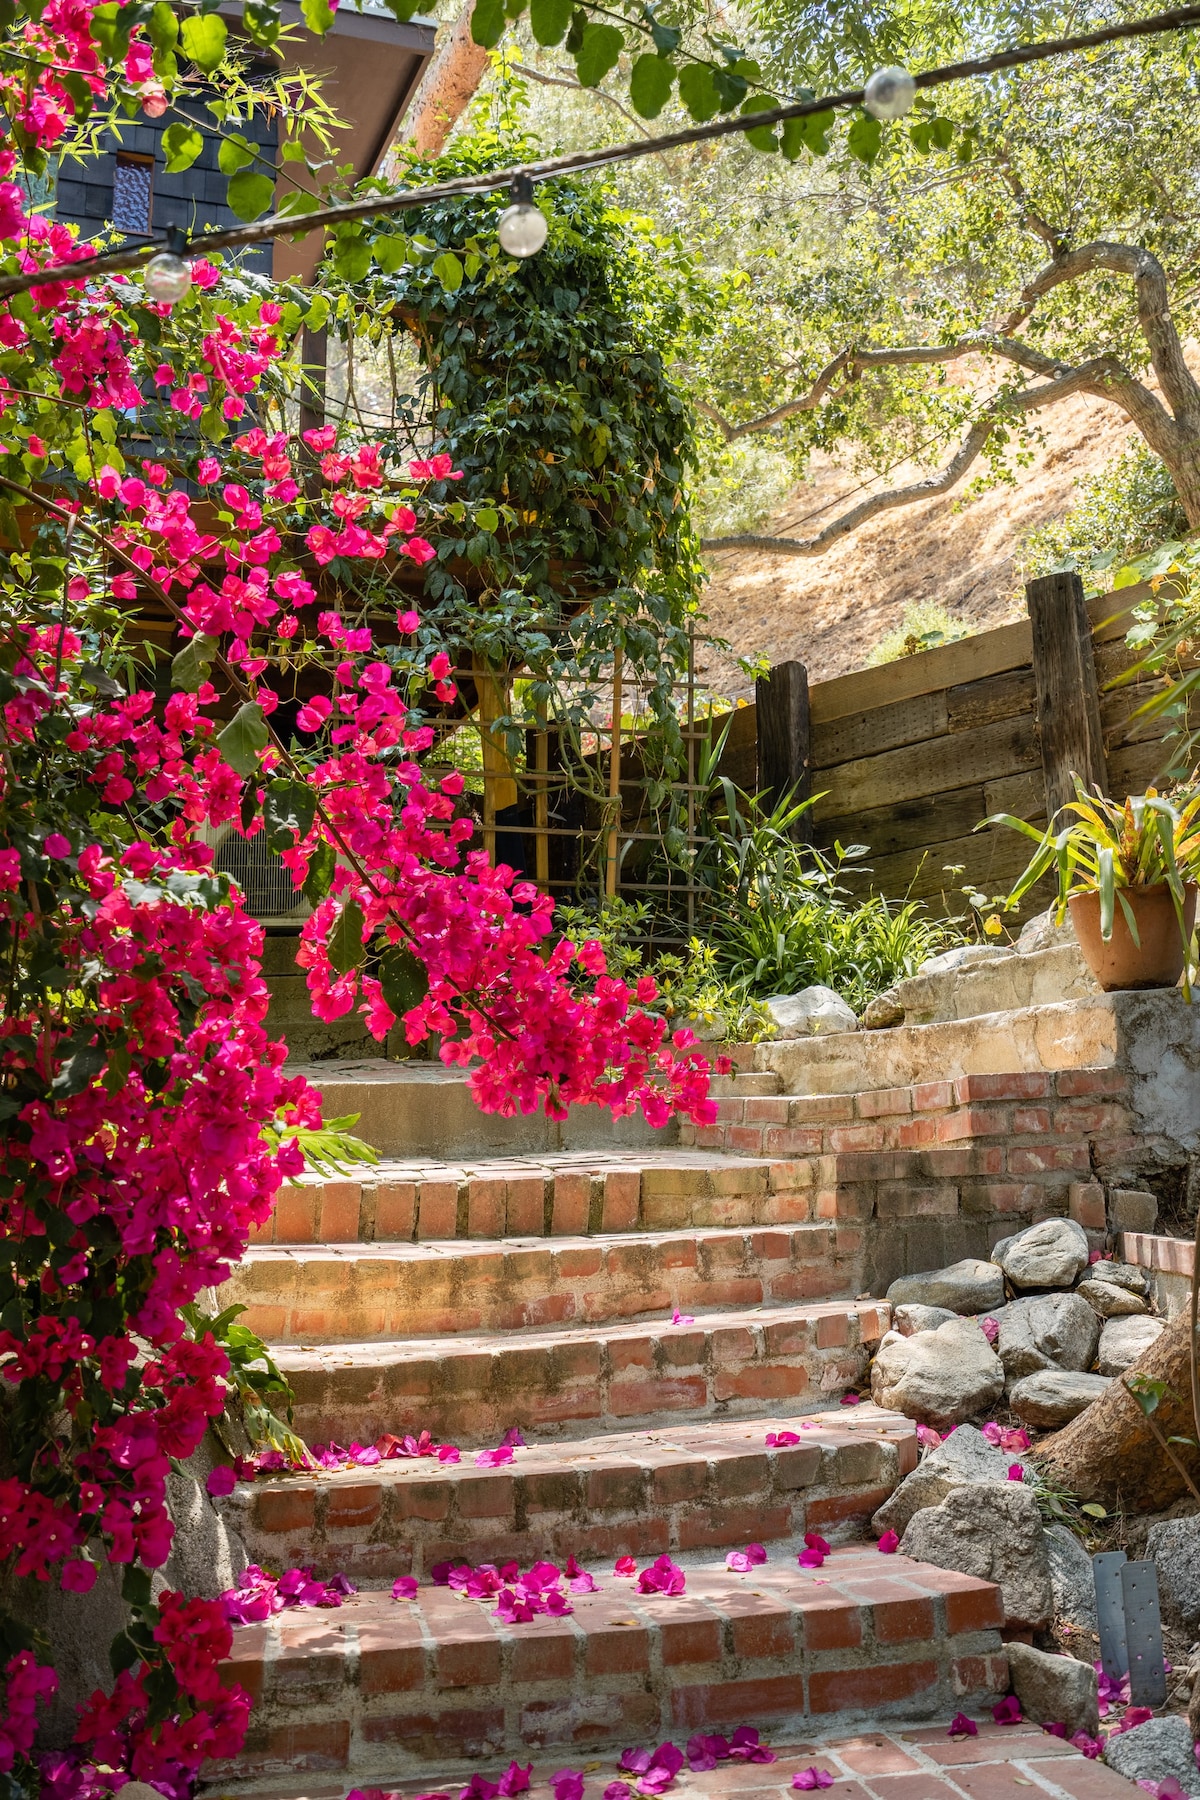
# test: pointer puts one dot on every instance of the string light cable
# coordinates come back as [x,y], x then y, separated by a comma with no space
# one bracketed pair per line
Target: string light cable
[887,95]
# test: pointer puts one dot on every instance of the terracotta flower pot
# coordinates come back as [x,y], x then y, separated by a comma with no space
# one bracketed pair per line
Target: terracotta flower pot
[1157,962]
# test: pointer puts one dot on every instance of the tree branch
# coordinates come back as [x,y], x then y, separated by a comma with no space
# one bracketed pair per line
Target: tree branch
[577,87]
[1033,221]
[1092,377]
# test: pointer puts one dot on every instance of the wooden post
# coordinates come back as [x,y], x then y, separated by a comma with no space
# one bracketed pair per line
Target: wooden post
[1068,700]
[785,739]
[314,365]
[499,787]
[614,777]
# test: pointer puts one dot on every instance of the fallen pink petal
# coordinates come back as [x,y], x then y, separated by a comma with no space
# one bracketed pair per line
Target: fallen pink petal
[961,1726]
[812,1778]
[404,1587]
[779,1439]
[1007,1711]
[888,1544]
[678,1318]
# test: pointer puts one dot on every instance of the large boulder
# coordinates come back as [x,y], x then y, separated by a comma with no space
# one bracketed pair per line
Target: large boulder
[1047,1331]
[970,1286]
[813,1011]
[1055,1396]
[964,1457]
[1072,1577]
[1055,1688]
[1174,1548]
[1155,1750]
[1049,1254]
[939,1377]
[992,1531]
[1124,1340]
[908,1320]
[883,1012]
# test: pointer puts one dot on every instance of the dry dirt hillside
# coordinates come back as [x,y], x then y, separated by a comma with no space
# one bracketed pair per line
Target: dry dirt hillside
[830,611]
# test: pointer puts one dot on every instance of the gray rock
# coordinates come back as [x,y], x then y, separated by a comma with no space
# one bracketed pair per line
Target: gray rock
[1155,1750]
[1132,1209]
[1054,1687]
[961,958]
[970,1286]
[1055,1396]
[1123,1341]
[813,1011]
[1119,1274]
[964,1457]
[1072,1578]
[1042,933]
[884,1011]
[1049,1254]
[908,1320]
[1108,1301]
[1174,1548]
[940,1377]
[991,1530]
[1047,1331]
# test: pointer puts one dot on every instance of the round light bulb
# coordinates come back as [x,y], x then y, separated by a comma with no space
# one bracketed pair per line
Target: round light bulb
[889,93]
[168,277]
[522,229]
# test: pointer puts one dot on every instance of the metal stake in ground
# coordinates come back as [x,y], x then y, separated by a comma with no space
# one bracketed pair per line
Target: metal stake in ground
[1110,1611]
[1143,1634]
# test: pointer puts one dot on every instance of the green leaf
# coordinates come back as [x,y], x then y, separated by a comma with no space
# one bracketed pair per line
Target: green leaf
[942,132]
[204,38]
[920,136]
[650,83]
[487,23]
[135,1587]
[487,518]
[352,257]
[79,1071]
[250,194]
[864,137]
[1093,1510]
[262,22]
[162,27]
[403,10]
[289,808]
[346,949]
[391,253]
[193,664]
[236,153]
[318,15]
[698,91]
[599,52]
[242,740]
[449,271]
[291,151]
[816,128]
[321,865]
[667,38]
[549,20]
[761,137]
[122,1653]
[403,978]
[731,88]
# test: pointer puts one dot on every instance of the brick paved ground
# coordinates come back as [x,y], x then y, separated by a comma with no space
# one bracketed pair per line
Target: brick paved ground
[921,1763]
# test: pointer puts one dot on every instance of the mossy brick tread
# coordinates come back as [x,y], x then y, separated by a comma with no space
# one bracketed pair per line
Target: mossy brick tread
[384,1685]
[737,1364]
[318,1293]
[683,1488]
[572,1194]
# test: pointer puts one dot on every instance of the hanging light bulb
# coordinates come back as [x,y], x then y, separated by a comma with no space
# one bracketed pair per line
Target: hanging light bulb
[169,275]
[889,93]
[522,228]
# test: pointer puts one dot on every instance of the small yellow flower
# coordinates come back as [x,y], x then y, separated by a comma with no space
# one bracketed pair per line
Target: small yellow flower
[992,927]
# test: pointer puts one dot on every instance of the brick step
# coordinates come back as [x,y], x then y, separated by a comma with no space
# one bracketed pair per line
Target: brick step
[390,1687]
[476,1387]
[556,1196]
[681,1488]
[323,1293]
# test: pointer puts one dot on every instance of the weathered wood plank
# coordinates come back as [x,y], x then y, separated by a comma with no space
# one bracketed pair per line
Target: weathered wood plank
[911,825]
[970,659]
[1024,796]
[785,740]
[989,861]
[1068,702]
[1004,696]
[1002,748]
[1135,767]
[881,728]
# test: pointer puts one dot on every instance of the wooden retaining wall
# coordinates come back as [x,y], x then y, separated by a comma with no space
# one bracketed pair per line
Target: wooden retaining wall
[909,757]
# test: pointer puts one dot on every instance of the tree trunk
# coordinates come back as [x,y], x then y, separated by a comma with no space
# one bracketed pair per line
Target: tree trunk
[448,87]
[1184,470]
[1111,1453]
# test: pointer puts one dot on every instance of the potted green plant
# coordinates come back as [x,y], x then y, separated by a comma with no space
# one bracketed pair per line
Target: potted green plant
[1127,873]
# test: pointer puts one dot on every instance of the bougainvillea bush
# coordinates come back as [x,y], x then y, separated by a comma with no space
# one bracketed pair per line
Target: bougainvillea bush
[147,473]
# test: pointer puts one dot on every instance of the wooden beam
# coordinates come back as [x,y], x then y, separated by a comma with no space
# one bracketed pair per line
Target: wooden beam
[785,738]
[1068,700]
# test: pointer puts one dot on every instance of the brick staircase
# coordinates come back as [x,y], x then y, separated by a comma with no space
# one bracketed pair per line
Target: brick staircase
[536,1285]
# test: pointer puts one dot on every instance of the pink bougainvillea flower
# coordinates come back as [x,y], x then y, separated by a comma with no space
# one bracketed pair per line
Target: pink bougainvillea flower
[813,1541]
[491,1459]
[850,1400]
[79,1576]
[990,1328]
[513,1438]
[739,1562]
[662,1577]
[1132,1718]
[625,1565]
[57,845]
[779,1439]
[927,1437]
[810,1558]
[705,1751]
[567,1784]
[961,1726]
[578,1580]
[678,1318]
[1007,1711]
[1016,1471]
[807,1780]
[221,1480]
[888,1544]
[404,1587]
